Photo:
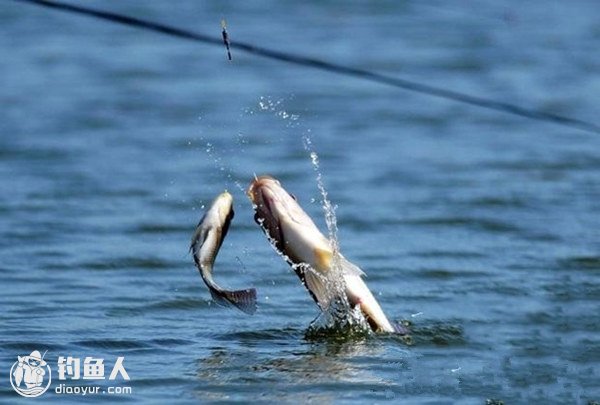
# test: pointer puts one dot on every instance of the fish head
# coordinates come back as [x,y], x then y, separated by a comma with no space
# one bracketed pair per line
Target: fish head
[271,201]
[224,207]
[289,228]
[274,206]
[218,217]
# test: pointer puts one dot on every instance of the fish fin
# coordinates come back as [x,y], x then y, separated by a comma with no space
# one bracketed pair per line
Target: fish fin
[316,285]
[400,329]
[323,258]
[198,238]
[244,300]
[349,268]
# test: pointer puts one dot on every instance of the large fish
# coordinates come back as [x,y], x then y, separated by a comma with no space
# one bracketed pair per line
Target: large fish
[206,242]
[309,252]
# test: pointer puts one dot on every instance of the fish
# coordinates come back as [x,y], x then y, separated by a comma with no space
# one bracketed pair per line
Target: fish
[296,237]
[206,242]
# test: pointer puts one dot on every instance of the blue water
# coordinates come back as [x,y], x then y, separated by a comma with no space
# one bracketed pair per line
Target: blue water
[480,229]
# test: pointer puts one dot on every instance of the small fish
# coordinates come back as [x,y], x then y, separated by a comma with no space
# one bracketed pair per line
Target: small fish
[206,242]
[308,251]
[226,38]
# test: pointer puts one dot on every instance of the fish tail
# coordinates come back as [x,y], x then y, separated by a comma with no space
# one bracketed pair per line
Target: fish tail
[244,300]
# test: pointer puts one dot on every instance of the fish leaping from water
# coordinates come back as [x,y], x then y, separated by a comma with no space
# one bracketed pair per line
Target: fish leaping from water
[293,233]
[206,242]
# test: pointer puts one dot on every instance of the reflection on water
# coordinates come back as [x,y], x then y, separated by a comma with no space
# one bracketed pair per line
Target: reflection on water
[315,365]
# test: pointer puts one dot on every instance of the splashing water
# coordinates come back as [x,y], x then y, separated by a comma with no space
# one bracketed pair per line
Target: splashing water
[328,208]
[339,318]
[265,105]
[217,158]
[340,315]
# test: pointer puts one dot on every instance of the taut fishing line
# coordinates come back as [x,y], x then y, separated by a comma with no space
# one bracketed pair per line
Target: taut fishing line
[324,65]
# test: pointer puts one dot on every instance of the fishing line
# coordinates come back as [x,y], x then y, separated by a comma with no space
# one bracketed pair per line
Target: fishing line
[324,65]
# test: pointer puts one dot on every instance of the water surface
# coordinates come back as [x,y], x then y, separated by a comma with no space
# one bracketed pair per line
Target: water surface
[481,229]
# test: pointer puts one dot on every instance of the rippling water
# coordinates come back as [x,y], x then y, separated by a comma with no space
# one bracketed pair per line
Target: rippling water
[480,229]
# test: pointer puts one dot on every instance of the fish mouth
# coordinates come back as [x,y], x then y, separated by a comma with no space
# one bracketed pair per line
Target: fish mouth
[280,216]
[225,207]
[263,193]
[274,205]
[259,185]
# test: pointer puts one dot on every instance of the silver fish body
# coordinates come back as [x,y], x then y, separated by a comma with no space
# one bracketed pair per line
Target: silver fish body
[293,233]
[206,242]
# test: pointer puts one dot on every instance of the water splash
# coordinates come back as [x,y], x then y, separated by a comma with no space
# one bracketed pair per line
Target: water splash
[265,105]
[217,158]
[276,107]
[339,320]
[340,316]
[328,208]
